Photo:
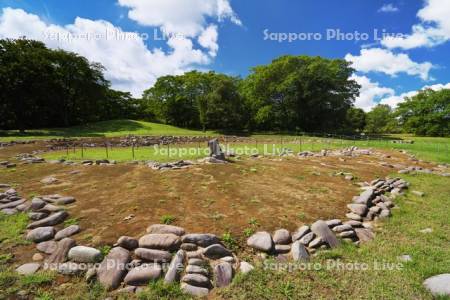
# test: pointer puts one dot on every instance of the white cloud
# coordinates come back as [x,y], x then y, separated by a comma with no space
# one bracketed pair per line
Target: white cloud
[370,92]
[388,8]
[184,17]
[130,64]
[385,61]
[394,100]
[434,28]
[208,39]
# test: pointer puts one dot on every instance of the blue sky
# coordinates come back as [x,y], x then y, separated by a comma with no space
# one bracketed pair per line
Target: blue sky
[233,36]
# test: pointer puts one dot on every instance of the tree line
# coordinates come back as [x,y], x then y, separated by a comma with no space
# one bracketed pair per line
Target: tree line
[41,87]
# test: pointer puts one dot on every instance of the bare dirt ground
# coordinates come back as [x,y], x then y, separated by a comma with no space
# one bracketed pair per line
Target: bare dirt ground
[276,192]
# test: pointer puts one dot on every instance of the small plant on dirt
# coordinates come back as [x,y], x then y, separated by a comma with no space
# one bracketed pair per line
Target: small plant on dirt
[71,221]
[217,216]
[167,219]
[301,215]
[44,296]
[253,222]
[5,258]
[32,195]
[39,278]
[248,231]
[105,250]
[229,241]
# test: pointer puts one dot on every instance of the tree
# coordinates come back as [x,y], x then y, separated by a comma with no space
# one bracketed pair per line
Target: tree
[355,119]
[300,93]
[427,113]
[381,119]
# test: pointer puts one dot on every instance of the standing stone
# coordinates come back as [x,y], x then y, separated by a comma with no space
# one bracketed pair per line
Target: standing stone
[175,267]
[299,252]
[41,234]
[216,251]
[66,232]
[60,254]
[214,150]
[127,242]
[223,274]
[162,228]
[143,274]
[168,242]
[282,237]
[261,241]
[112,269]
[201,239]
[83,254]
[365,197]
[321,229]
[51,220]
[153,255]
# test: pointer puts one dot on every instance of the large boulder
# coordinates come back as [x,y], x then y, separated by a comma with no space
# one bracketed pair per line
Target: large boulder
[143,274]
[261,241]
[113,268]
[41,234]
[161,241]
[83,254]
[163,228]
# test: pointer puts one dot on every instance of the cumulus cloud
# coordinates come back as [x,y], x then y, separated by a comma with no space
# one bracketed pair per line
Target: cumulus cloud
[370,92]
[130,64]
[385,61]
[388,8]
[185,17]
[433,29]
[394,100]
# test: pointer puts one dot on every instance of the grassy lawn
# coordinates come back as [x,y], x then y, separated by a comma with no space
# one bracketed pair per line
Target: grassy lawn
[111,128]
[400,235]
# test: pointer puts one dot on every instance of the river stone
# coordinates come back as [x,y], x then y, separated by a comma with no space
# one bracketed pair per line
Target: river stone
[299,252]
[342,228]
[223,274]
[196,262]
[261,241]
[216,251]
[282,237]
[70,268]
[47,247]
[188,247]
[245,267]
[64,201]
[321,229]
[365,197]
[375,209]
[385,213]
[193,269]
[83,254]
[50,208]
[51,220]
[194,290]
[127,242]
[60,253]
[12,204]
[66,232]
[364,235]
[359,209]
[41,234]
[301,232]
[112,269]
[201,239]
[347,234]
[438,285]
[28,269]
[282,248]
[166,241]
[353,216]
[9,211]
[162,228]
[333,223]
[317,242]
[196,280]
[153,255]
[305,240]
[37,257]
[354,223]
[49,180]
[143,274]
[23,207]
[35,216]
[175,268]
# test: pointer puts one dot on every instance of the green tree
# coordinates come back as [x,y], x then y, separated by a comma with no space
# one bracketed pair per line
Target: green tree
[381,119]
[427,113]
[355,119]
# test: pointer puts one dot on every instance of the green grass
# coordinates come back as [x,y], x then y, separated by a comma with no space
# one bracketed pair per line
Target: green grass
[111,128]
[12,229]
[399,235]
